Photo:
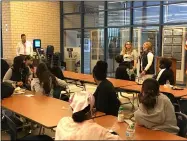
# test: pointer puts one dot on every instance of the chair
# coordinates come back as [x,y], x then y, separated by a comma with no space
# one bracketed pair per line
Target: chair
[174,101]
[12,130]
[11,126]
[183,105]
[182,124]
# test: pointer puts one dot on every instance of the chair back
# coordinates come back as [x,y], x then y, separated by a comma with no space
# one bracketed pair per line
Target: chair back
[12,130]
[182,124]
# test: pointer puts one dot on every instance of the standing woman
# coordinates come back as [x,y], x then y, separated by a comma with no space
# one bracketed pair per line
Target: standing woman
[129,55]
[147,61]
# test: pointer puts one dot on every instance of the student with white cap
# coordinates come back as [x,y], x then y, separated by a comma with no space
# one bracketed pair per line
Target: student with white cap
[79,127]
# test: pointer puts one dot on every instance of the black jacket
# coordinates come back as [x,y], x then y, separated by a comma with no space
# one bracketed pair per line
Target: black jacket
[166,75]
[106,99]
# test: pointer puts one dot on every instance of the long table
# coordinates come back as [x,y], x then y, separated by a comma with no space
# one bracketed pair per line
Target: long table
[87,78]
[163,89]
[141,133]
[122,84]
[46,111]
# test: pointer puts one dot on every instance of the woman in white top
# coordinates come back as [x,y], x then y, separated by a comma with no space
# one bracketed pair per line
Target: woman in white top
[155,110]
[45,81]
[129,55]
[147,61]
[80,126]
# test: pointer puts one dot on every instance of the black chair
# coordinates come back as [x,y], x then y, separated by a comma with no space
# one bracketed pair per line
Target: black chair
[12,130]
[182,124]
[174,101]
[183,105]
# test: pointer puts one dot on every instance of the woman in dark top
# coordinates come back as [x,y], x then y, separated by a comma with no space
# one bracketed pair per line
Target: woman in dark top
[106,99]
[165,74]
[18,73]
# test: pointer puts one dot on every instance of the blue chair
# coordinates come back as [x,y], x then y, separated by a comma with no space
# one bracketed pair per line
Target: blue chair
[182,124]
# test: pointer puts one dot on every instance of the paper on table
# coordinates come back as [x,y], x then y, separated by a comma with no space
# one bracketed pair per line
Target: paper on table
[29,95]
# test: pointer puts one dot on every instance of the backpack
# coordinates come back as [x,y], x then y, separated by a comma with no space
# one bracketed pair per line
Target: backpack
[6,90]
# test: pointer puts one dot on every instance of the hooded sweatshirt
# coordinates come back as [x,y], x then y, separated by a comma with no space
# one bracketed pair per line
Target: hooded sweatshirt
[162,117]
[67,129]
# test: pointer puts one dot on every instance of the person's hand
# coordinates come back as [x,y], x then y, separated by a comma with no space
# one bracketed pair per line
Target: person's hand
[143,73]
[19,83]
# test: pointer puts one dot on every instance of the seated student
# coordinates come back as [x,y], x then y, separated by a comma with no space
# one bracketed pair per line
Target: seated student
[17,74]
[4,68]
[165,74]
[79,127]
[121,71]
[156,110]
[106,99]
[45,81]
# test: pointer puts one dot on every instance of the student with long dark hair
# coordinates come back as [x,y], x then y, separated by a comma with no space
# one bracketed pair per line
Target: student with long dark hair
[106,99]
[45,81]
[18,73]
[156,110]
[80,126]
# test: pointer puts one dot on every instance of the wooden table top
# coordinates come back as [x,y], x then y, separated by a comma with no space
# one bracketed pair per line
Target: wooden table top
[41,109]
[176,93]
[141,133]
[88,78]
[76,76]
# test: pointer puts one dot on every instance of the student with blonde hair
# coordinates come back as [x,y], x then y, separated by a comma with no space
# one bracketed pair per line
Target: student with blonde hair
[129,55]
[147,61]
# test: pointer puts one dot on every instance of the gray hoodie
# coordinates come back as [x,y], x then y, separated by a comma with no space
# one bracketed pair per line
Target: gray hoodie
[162,117]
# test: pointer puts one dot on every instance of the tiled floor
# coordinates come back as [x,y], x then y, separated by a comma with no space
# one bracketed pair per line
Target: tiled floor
[74,88]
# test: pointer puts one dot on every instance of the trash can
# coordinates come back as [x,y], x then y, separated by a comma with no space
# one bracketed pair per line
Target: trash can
[70,64]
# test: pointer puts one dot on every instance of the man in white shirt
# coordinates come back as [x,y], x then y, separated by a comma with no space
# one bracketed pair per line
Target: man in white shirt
[24,47]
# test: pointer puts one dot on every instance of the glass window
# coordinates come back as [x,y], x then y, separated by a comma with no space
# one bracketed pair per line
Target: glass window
[141,35]
[119,18]
[93,48]
[72,21]
[173,1]
[118,5]
[94,19]
[116,39]
[152,15]
[72,50]
[138,15]
[71,6]
[138,3]
[93,6]
[175,13]
[153,2]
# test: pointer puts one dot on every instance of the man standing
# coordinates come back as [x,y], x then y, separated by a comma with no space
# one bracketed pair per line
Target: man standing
[24,47]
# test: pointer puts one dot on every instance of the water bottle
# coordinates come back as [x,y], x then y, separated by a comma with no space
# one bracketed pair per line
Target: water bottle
[121,114]
[130,132]
[168,83]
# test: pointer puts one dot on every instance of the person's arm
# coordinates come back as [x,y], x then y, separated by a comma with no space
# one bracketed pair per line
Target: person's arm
[35,85]
[8,76]
[135,56]
[18,50]
[150,57]
[31,50]
[61,83]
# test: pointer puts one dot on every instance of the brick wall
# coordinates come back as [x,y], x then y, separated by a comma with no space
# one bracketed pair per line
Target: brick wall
[35,19]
